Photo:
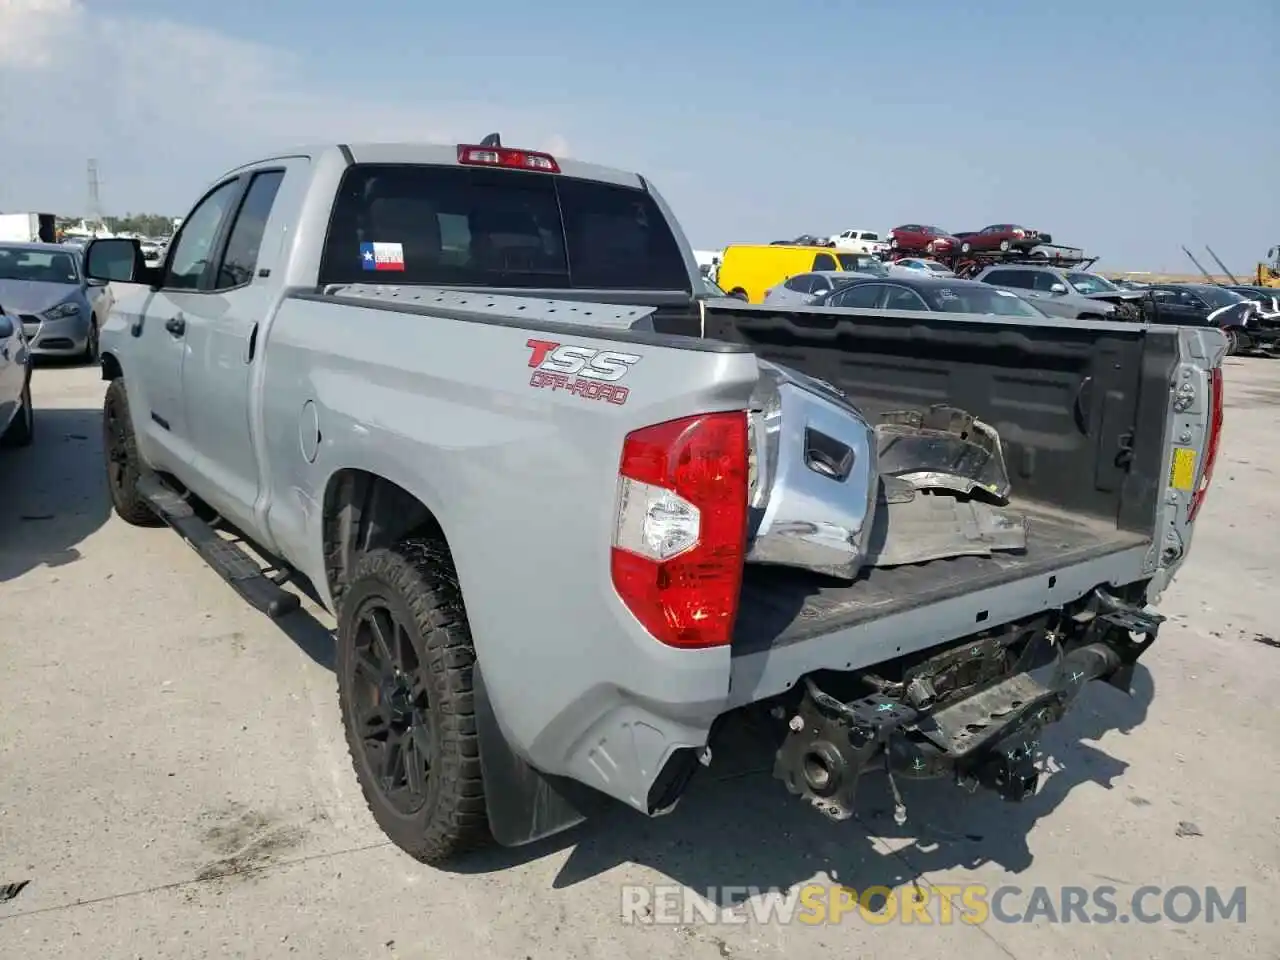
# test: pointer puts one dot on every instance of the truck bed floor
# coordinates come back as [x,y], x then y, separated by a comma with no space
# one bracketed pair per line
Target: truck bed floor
[782,606]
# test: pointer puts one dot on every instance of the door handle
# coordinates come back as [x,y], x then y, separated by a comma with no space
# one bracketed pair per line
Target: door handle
[176,325]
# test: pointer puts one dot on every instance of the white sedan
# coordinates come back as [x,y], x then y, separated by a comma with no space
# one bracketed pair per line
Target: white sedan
[916,267]
[803,287]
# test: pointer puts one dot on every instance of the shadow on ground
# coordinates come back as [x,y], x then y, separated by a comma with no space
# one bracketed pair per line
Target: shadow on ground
[740,828]
[53,493]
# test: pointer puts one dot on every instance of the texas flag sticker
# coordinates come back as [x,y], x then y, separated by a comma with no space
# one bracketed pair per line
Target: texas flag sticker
[382,256]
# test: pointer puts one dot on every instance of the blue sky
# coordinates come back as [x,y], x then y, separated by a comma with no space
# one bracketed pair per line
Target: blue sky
[1128,128]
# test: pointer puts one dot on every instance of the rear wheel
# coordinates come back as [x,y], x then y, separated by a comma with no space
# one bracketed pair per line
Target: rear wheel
[120,451]
[965,247]
[1004,246]
[405,662]
[738,293]
[1237,341]
[22,428]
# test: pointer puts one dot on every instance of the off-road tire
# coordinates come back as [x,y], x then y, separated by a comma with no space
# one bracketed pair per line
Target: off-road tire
[416,580]
[129,505]
[22,428]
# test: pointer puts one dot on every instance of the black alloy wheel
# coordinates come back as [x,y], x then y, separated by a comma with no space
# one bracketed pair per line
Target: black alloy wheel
[120,454]
[390,706]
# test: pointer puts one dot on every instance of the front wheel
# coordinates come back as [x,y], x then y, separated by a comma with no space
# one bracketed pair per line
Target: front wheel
[22,428]
[965,247]
[405,661]
[120,452]
[1004,246]
[1237,341]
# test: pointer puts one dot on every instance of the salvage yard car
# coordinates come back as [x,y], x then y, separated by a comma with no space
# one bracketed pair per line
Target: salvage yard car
[17,413]
[60,309]
[806,287]
[1241,319]
[1001,236]
[1075,294]
[570,518]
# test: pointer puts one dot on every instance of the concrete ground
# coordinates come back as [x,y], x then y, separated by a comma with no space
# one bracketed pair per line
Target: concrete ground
[173,781]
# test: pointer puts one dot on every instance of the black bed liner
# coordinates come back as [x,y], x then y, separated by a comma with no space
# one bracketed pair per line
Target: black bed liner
[1081,409]
[781,606]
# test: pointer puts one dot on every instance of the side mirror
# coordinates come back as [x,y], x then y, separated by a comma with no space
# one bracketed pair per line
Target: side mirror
[118,260]
[1058,288]
[7,326]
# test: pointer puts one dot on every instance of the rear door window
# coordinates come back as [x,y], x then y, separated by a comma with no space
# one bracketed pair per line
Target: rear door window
[902,298]
[240,259]
[462,226]
[824,261]
[1011,278]
[864,295]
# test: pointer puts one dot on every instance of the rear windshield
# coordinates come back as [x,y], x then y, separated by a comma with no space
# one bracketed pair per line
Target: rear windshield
[461,226]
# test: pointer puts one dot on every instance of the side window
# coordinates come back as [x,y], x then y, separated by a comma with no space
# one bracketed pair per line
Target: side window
[901,298]
[194,246]
[864,295]
[820,286]
[1003,278]
[1044,281]
[873,237]
[240,260]
[824,261]
[800,284]
[1021,279]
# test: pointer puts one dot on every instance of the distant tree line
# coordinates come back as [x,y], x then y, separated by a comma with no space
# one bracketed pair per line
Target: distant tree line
[147,224]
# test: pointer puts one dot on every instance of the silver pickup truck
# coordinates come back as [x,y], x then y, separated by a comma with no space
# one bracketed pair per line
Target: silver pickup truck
[472,398]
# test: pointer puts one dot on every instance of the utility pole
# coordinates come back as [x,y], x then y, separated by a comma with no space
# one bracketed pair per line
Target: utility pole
[95,197]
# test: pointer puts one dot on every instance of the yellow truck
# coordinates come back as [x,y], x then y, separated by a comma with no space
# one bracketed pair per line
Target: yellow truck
[747,270]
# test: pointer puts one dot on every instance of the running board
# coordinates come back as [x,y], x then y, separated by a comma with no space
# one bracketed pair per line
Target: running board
[245,575]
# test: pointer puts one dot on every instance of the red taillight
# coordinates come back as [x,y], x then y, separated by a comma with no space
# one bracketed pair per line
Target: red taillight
[478,156]
[680,537]
[1211,447]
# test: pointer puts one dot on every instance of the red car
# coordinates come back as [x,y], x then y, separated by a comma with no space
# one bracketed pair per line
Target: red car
[1003,237]
[920,238]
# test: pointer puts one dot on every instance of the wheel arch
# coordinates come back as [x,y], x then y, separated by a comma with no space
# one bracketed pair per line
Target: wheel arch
[110,364]
[363,510]
[366,510]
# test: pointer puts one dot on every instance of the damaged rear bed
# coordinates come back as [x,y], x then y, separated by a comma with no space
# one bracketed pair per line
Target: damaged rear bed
[951,666]
[781,607]
[1083,414]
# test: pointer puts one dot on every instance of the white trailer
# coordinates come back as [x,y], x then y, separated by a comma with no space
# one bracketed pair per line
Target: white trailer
[27,228]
